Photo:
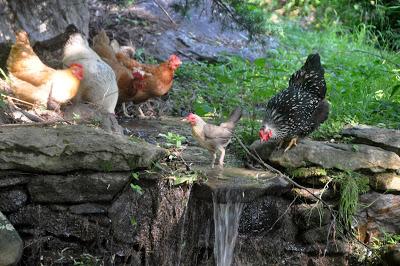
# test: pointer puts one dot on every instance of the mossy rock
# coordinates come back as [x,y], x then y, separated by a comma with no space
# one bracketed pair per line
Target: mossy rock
[305,172]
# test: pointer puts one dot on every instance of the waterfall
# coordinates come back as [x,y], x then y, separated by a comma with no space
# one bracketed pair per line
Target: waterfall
[226,224]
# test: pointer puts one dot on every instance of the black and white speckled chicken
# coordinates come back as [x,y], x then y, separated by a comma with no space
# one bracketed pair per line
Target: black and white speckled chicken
[298,110]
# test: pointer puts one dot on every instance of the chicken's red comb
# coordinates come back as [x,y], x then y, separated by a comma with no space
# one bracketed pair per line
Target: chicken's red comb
[75,65]
[138,75]
[175,59]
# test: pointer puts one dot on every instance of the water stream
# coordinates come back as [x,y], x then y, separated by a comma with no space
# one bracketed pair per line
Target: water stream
[226,224]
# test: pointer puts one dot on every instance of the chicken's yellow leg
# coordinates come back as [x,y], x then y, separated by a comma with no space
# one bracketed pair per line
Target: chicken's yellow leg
[292,142]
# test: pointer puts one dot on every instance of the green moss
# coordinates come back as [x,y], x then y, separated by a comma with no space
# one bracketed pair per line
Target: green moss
[308,172]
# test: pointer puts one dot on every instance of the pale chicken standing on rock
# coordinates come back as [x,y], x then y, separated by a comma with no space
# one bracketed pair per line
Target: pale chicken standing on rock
[213,137]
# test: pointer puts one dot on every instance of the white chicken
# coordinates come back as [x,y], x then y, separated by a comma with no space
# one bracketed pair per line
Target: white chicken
[99,85]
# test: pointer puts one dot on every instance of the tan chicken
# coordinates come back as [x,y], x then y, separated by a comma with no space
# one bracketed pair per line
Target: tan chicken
[102,46]
[212,137]
[99,85]
[34,82]
[149,80]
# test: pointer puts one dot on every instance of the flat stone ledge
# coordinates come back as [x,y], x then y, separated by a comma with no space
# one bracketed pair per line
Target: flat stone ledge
[238,185]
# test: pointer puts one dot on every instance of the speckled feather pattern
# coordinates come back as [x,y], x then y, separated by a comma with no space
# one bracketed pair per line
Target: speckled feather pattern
[301,108]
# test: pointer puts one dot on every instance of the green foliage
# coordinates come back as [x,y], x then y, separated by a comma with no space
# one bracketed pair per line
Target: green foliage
[381,246]
[348,201]
[188,178]
[363,82]
[352,184]
[173,139]
[138,189]
[308,172]
[133,221]
[382,18]
[125,3]
[249,15]
[4,76]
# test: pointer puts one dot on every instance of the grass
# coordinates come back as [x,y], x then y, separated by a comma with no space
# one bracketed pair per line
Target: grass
[363,82]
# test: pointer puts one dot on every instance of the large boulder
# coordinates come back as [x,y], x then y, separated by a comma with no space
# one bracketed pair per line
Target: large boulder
[40,18]
[385,182]
[61,149]
[378,214]
[330,155]
[11,245]
[388,139]
[193,31]
[77,187]
[12,200]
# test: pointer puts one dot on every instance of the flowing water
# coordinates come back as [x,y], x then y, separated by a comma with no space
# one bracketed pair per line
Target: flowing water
[226,224]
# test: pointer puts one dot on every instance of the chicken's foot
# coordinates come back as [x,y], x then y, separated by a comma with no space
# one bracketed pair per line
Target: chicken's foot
[214,155]
[293,142]
[141,114]
[125,111]
[222,156]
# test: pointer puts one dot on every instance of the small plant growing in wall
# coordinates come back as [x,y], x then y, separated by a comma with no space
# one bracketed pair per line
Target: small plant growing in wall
[136,188]
[173,139]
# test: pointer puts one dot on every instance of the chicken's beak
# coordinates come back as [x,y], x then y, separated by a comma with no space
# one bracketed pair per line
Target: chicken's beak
[185,120]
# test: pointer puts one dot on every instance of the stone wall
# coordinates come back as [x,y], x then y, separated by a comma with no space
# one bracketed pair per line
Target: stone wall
[73,214]
[369,153]
[163,225]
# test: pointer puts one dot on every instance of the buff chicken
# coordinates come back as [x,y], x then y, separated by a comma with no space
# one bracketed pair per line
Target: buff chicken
[34,82]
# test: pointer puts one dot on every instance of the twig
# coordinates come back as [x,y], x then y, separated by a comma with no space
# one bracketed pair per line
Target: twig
[331,211]
[19,100]
[261,161]
[31,117]
[39,124]
[228,9]
[165,11]
[188,168]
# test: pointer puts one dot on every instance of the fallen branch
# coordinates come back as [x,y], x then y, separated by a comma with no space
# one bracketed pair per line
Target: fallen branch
[261,161]
[332,226]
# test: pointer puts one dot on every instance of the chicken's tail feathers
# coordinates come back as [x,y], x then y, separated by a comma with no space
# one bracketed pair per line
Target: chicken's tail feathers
[234,117]
[320,114]
[310,77]
[70,29]
[101,37]
[22,37]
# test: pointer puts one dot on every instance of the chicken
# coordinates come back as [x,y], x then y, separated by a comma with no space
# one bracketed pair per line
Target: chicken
[99,85]
[300,109]
[34,82]
[212,137]
[149,80]
[102,46]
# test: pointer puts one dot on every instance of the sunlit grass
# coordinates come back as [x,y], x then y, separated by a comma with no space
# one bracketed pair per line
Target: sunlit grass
[362,81]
